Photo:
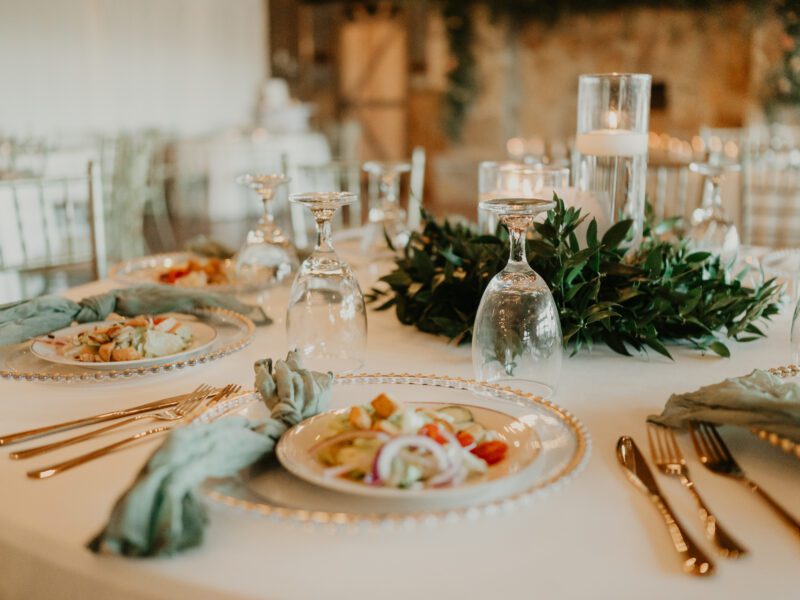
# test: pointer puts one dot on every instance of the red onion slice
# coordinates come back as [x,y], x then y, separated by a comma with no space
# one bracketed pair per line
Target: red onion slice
[456,461]
[382,467]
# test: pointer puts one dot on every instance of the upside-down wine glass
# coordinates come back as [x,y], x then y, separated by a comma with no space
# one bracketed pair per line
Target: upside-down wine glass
[386,217]
[268,256]
[516,338]
[711,228]
[326,321]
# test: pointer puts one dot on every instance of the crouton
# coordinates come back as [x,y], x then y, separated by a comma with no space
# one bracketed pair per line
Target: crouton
[383,406]
[121,354]
[359,418]
[105,351]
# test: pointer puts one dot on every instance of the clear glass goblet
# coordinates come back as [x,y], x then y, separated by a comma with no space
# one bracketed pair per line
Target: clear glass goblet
[711,229]
[326,321]
[268,256]
[516,338]
[386,217]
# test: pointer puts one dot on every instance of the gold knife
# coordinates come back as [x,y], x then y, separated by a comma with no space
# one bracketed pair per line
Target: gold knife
[108,416]
[695,562]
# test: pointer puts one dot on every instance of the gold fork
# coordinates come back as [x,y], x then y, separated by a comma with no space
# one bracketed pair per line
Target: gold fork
[714,454]
[84,458]
[669,459]
[173,413]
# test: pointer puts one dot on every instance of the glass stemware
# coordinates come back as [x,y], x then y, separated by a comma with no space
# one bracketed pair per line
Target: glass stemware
[268,255]
[386,217]
[326,321]
[711,229]
[794,335]
[517,332]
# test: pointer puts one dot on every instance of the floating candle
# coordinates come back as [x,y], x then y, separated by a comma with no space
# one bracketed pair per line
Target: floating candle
[611,142]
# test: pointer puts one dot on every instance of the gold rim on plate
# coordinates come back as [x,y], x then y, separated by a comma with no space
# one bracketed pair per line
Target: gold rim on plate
[785,444]
[555,481]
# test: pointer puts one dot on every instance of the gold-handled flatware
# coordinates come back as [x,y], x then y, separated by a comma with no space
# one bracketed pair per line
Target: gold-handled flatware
[695,561]
[173,413]
[668,458]
[714,454]
[20,436]
[84,458]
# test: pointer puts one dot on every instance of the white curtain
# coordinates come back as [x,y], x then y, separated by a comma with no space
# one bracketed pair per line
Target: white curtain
[183,66]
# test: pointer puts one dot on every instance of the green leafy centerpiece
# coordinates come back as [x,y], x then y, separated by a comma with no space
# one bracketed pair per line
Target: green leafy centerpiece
[663,293]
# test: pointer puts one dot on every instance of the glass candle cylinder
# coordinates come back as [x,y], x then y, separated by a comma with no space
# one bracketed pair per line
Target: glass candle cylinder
[611,145]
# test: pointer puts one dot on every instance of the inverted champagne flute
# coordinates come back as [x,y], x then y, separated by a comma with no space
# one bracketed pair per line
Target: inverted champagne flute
[326,321]
[711,228]
[516,338]
[268,256]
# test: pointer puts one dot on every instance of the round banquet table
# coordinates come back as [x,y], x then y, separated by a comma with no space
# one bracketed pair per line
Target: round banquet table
[595,537]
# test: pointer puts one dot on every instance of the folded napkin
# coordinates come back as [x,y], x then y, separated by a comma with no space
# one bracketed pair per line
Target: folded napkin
[208,247]
[21,321]
[759,400]
[162,514]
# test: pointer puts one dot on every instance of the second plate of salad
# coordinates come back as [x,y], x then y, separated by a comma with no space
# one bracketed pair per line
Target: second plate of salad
[385,448]
[135,342]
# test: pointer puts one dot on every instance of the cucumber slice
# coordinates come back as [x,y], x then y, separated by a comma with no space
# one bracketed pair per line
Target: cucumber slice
[457,414]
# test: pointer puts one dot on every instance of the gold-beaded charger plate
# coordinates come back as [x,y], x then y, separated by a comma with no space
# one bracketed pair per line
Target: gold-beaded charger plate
[559,447]
[203,335]
[233,332]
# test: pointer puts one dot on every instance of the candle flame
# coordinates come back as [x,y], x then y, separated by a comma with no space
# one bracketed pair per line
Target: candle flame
[613,119]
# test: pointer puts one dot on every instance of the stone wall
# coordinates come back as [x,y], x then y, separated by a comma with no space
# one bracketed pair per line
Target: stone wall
[529,81]
[711,62]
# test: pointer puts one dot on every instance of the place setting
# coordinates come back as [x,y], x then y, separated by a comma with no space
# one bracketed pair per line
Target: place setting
[114,338]
[430,310]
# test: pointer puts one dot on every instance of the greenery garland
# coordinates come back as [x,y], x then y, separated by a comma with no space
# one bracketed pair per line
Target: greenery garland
[664,293]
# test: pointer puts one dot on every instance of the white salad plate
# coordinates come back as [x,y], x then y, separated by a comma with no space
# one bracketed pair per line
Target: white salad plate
[296,454]
[203,335]
[553,447]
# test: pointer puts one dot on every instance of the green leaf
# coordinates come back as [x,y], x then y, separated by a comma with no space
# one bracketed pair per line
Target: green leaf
[450,256]
[720,348]
[697,257]
[486,239]
[397,279]
[591,234]
[617,233]
[658,347]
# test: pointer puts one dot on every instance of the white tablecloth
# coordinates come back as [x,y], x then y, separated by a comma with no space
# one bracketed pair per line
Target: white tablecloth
[597,537]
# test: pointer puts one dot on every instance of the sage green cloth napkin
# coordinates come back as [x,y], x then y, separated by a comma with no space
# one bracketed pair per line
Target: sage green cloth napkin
[760,400]
[21,321]
[162,513]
